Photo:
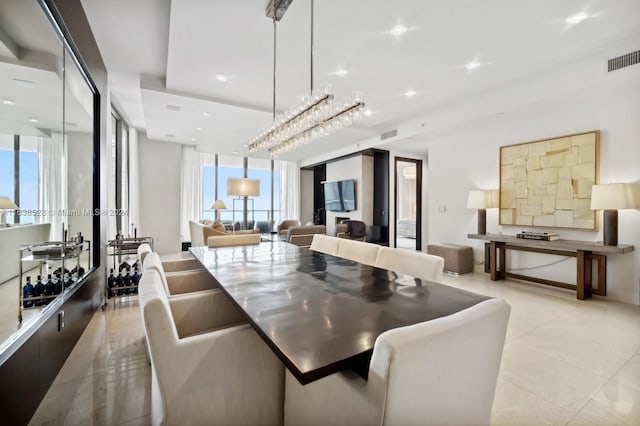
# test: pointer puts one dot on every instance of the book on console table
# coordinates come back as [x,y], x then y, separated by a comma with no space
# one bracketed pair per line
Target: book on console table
[541,236]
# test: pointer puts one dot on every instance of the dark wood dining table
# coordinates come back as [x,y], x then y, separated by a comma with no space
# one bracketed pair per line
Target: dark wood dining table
[320,313]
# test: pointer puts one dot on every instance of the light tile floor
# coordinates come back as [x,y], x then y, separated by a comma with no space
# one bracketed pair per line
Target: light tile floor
[565,361]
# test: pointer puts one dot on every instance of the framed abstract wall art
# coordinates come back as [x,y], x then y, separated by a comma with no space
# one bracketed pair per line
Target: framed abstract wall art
[547,183]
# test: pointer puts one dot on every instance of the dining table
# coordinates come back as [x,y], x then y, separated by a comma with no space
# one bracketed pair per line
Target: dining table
[319,313]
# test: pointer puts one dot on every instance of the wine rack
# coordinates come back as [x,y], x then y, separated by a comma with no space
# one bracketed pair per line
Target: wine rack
[122,250]
[63,254]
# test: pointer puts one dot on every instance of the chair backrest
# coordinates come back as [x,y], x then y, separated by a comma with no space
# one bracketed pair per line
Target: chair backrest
[234,240]
[415,263]
[143,250]
[152,261]
[286,224]
[197,236]
[442,371]
[325,244]
[358,251]
[302,235]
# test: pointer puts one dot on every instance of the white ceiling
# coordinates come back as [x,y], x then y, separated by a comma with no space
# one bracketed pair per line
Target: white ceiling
[31,69]
[162,52]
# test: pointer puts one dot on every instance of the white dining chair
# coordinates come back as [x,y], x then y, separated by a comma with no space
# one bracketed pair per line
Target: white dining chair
[358,251]
[180,282]
[170,263]
[417,264]
[440,372]
[325,244]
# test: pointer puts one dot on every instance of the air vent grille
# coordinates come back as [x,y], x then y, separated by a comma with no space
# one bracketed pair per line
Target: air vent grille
[173,108]
[389,134]
[624,61]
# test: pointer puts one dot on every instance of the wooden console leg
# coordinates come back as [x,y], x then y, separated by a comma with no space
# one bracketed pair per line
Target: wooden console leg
[497,260]
[582,290]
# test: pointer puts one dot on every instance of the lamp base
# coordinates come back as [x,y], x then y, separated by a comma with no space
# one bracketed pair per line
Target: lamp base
[482,221]
[610,228]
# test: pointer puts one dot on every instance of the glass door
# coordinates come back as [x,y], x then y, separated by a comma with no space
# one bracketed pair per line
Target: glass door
[408,203]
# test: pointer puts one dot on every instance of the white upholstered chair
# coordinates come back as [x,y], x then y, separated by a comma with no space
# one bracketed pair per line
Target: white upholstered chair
[204,371]
[358,251]
[180,282]
[171,263]
[325,244]
[437,372]
[417,264]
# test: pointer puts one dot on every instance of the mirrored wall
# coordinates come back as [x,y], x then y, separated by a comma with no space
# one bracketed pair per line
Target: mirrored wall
[46,168]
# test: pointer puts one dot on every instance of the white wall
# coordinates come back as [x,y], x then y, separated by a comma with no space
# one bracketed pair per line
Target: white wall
[306,196]
[359,168]
[80,182]
[160,164]
[467,158]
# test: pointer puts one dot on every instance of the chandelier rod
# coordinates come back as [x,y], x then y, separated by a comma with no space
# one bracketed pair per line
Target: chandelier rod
[311,91]
[274,62]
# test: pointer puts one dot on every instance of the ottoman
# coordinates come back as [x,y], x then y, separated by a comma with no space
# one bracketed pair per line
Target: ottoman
[457,259]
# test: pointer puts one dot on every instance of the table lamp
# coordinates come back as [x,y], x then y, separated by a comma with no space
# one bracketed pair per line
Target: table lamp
[6,204]
[482,200]
[242,187]
[217,206]
[611,198]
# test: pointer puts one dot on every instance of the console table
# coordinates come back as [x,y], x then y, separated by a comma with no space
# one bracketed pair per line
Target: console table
[585,253]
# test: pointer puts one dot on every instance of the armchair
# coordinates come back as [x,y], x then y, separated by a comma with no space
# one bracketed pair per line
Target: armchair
[284,226]
[442,371]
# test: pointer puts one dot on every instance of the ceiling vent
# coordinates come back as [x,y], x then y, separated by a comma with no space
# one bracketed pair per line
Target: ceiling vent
[173,108]
[624,61]
[389,134]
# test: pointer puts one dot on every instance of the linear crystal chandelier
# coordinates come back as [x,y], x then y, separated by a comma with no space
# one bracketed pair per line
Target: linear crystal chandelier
[318,115]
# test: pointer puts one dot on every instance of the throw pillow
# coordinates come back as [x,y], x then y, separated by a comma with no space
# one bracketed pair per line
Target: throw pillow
[218,226]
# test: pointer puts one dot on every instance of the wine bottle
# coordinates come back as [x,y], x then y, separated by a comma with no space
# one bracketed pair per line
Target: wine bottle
[135,279]
[125,265]
[127,282]
[111,283]
[48,290]
[119,283]
[38,291]
[27,293]
[58,284]
[67,281]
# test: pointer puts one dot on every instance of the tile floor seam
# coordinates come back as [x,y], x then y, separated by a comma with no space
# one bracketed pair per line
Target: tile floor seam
[613,376]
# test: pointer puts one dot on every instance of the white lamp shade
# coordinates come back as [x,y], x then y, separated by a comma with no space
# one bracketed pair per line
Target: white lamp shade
[483,199]
[243,187]
[614,196]
[7,204]
[219,205]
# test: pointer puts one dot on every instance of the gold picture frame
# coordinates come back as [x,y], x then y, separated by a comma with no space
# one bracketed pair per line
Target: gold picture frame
[547,183]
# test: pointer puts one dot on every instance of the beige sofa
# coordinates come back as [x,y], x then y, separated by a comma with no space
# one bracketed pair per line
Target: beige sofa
[200,232]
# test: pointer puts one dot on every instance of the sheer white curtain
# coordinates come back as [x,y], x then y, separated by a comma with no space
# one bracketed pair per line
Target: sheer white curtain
[52,183]
[289,190]
[191,189]
[134,179]
[112,228]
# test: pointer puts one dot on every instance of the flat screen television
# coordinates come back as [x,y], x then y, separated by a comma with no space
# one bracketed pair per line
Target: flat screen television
[340,196]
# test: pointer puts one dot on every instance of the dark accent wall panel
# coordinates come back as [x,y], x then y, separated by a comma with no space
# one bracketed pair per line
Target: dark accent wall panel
[381,194]
[319,176]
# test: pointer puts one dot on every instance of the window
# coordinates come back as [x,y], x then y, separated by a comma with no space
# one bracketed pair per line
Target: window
[233,167]
[27,184]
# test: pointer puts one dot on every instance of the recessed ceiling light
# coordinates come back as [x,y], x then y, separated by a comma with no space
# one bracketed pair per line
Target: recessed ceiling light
[577,18]
[340,72]
[193,139]
[169,135]
[367,112]
[398,30]
[222,78]
[236,152]
[8,102]
[410,93]
[24,83]
[198,128]
[34,120]
[472,65]
[206,114]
